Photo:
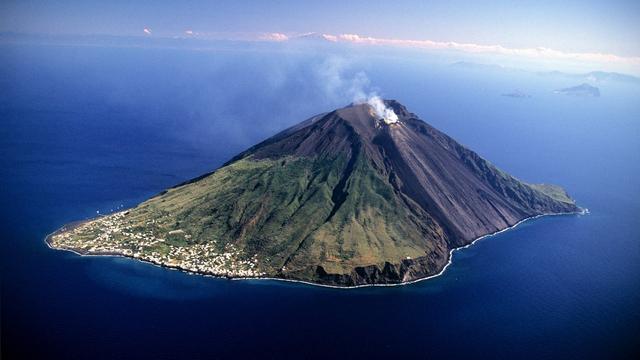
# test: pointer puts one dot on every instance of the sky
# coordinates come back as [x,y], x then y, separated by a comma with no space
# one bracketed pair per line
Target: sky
[604,30]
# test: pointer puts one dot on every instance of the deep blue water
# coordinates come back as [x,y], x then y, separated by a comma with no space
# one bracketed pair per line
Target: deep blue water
[85,129]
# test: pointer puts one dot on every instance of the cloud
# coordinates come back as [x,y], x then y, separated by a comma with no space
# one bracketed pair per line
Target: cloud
[533,53]
[538,52]
[329,37]
[274,37]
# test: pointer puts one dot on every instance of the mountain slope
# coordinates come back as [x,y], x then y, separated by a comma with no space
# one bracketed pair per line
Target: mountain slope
[344,198]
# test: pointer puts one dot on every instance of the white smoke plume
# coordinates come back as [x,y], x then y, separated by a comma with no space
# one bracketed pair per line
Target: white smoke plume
[383,111]
[357,87]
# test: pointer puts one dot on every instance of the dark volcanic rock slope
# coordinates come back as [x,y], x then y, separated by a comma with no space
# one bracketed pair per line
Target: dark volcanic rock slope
[347,199]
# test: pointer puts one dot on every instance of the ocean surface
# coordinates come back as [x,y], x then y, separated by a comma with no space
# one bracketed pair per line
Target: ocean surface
[88,129]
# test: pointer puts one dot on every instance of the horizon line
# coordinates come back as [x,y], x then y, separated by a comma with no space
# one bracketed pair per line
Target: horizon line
[534,53]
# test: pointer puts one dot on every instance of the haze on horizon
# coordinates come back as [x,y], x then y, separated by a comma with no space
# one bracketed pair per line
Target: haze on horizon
[586,35]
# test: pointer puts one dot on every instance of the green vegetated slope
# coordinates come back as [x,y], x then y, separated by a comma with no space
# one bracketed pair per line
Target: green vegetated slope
[554,191]
[283,210]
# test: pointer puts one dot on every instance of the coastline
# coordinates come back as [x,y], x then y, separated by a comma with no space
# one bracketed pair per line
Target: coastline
[584,211]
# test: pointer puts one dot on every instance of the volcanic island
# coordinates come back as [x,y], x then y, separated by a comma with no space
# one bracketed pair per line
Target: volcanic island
[368,194]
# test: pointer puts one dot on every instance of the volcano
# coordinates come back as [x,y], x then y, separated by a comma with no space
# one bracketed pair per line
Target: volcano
[344,198]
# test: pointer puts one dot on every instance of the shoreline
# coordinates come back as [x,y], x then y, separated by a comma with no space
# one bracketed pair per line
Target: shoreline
[584,211]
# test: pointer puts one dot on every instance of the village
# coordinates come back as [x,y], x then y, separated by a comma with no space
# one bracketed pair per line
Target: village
[112,235]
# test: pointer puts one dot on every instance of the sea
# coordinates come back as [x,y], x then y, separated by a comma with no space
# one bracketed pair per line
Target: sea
[87,130]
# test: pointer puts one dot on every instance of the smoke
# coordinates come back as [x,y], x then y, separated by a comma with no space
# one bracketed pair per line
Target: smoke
[383,111]
[340,84]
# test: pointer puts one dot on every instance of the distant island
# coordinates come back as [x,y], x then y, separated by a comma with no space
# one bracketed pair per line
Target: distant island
[582,90]
[593,76]
[368,194]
